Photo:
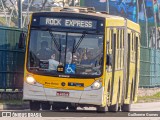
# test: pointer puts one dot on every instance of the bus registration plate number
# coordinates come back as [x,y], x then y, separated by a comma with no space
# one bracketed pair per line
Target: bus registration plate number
[62,94]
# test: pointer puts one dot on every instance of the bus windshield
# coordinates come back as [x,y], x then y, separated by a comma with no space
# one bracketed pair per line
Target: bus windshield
[79,54]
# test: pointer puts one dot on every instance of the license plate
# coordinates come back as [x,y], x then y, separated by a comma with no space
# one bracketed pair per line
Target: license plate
[62,94]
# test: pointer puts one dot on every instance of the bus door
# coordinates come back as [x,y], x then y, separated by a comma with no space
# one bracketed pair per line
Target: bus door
[109,63]
[117,73]
[111,56]
[129,68]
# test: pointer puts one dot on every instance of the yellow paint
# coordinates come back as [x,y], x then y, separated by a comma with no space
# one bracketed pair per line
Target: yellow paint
[55,82]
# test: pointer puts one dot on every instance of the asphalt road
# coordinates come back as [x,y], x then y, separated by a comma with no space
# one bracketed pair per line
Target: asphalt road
[140,111]
[155,106]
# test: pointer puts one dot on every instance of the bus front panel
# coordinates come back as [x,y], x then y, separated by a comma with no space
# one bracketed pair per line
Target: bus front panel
[65,60]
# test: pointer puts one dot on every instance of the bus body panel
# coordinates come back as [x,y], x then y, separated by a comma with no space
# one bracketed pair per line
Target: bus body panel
[33,92]
[75,96]
[115,73]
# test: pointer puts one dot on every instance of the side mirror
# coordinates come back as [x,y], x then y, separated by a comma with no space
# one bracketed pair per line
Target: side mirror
[109,60]
[22,39]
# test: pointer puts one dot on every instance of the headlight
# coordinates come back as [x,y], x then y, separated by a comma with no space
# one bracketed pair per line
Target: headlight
[30,80]
[96,85]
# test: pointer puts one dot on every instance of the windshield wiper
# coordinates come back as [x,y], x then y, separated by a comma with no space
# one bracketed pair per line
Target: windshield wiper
[58,45]
[79,42]
[54,40]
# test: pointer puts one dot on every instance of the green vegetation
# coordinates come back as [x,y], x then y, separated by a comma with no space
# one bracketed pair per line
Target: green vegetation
[3,22]
[153,98]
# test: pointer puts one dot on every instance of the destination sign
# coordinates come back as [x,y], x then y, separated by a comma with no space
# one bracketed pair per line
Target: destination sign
[69,23]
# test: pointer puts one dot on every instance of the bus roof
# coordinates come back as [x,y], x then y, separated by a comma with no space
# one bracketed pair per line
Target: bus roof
[97,14]
[78,12]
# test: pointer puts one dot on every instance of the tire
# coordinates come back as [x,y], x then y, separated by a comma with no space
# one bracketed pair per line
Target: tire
[119,108]
[113,108]
[101,109]
[34,105]
[126,107]
[45,106]
[56,108]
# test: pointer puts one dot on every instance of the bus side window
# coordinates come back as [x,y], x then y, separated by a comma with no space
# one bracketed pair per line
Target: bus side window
[135,41]
[122,48]
[132,41]
[109,53]
[121,56]
[111,39]
[123,39]
[118,48]
[120,39]
[109,60]
[129,41]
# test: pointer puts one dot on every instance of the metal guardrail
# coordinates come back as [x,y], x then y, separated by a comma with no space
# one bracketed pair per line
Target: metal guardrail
[149,67]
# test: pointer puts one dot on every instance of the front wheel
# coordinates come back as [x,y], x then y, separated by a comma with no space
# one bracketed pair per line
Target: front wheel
[101,109]
[34,105]
[127,107]
[113,108]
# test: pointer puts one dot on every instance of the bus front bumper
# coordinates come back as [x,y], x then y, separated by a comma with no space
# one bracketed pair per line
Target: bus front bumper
[38,93]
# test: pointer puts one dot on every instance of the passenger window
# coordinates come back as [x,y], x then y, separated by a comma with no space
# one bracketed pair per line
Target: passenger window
[123,38]
[112,38]
[120,39]
[136,43]
[135,39]
[132,42]
[117,39]
[129,39]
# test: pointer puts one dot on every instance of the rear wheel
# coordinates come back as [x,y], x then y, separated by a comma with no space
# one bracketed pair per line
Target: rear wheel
[34,105]
[126,107]
[101,109]
[113,108]
[119,108]
[45,106]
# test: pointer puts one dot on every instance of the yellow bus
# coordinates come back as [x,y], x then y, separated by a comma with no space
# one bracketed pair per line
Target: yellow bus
[76,59]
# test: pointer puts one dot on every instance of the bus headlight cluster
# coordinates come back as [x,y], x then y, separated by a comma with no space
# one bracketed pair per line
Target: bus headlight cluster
[30,80]
[96,85]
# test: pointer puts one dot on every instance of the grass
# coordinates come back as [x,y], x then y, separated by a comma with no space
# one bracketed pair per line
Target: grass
[153,98]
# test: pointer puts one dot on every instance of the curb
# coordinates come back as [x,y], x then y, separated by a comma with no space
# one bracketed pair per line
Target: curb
[13,107]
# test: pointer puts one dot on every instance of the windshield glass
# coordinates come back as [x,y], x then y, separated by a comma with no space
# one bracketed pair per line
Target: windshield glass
[64,53]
